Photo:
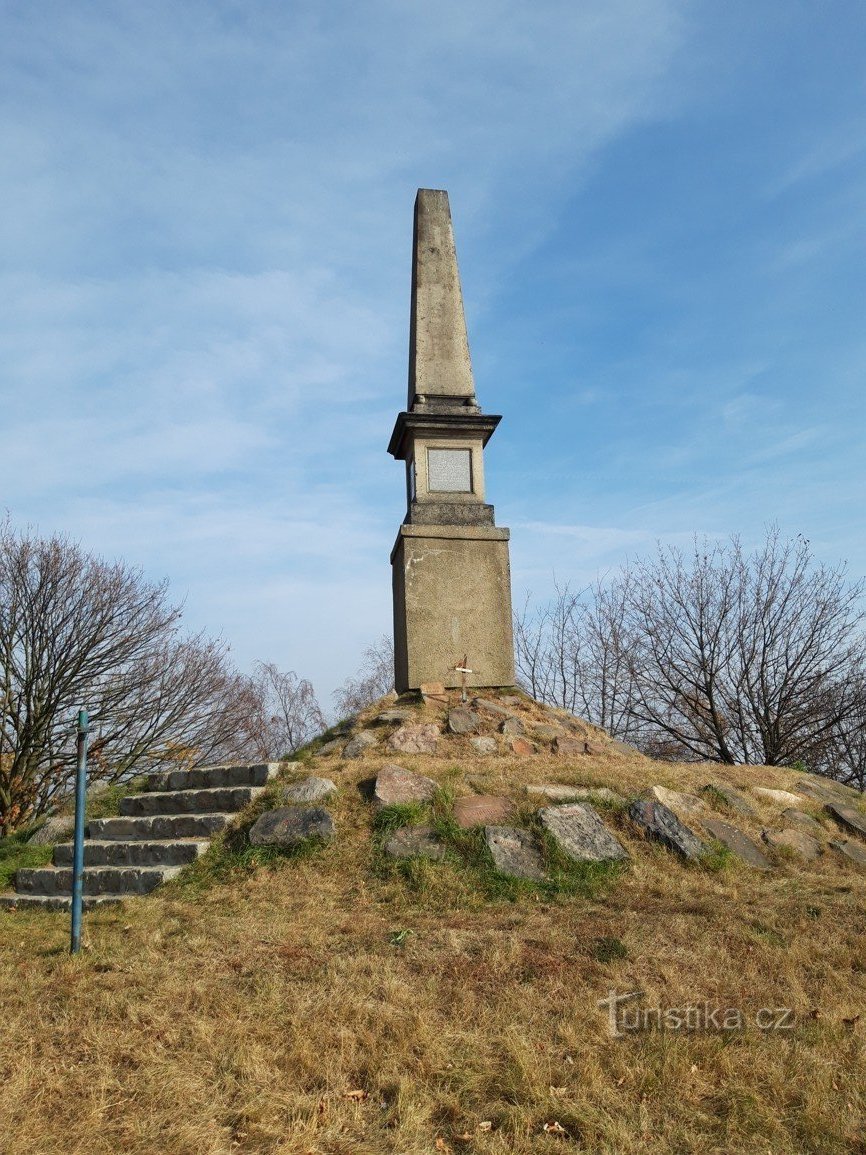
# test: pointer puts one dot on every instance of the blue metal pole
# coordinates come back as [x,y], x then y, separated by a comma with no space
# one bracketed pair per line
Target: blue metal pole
[78,847]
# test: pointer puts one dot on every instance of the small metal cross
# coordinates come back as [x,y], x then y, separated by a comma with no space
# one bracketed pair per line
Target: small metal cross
[462,669]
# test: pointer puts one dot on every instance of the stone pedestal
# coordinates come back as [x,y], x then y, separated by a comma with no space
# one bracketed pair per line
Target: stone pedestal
[452,597]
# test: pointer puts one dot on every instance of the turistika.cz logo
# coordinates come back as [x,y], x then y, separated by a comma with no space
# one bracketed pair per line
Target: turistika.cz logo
[625,1016]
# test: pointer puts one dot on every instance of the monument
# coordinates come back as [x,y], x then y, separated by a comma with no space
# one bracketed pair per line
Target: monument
[450,570]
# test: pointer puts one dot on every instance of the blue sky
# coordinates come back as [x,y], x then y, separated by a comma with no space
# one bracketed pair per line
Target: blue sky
[659,211]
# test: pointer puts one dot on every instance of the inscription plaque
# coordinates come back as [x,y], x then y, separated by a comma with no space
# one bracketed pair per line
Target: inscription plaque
[449,470]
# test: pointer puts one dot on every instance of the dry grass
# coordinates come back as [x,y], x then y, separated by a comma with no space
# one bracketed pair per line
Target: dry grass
[284,1011]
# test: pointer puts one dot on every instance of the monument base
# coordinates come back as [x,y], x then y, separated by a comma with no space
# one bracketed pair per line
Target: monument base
[452,599]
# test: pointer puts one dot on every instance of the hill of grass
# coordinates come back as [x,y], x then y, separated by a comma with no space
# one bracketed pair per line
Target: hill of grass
[340,1002]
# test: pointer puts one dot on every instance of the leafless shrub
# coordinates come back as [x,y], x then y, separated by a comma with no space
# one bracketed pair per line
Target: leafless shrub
[373,680]
[284,712]
[76,631]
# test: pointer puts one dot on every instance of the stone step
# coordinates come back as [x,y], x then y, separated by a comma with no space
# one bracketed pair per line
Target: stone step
[156,827]
[57,880]
[167,852]
[213,777]
[221,800]
[56,901]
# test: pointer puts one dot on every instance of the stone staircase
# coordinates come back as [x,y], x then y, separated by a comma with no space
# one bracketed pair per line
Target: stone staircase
[156,834]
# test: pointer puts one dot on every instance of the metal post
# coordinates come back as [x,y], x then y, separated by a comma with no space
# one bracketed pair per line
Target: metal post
[78,849]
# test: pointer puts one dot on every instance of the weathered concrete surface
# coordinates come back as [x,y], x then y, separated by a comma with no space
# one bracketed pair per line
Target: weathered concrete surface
[396,786]
[309,790]
[482,810]
[796,840]
[415,842]
[739,843]
[211,777]
[661,824]
[580,833]
[420,738]
[291,825]
[220,800]
[452,596]
[514,852]
[848,817]
[439,362]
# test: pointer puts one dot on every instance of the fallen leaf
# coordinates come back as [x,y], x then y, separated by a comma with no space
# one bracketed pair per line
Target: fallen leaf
[620,1080]
[694,1068]
[356,1096]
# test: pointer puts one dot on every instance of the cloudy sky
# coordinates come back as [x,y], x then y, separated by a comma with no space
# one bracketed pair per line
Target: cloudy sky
[660,211]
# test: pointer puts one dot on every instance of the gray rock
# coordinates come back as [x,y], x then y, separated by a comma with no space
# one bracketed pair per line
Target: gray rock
[804,821]
[511,700]
[309,790]
[731,797]
[492,707]
[828,789]
[796,840]
[784,797]
[415,842]
[463,721]
[332,747]
[482,810]
[580,833]
[291,825]
[557,793]
[512,726]
[739,843]
[848,817]
[360,744]
[393,717]
[421,738]
[483,745]
[57,828]
[852,850]
[679,803]
[660,823]
[547,733]
[396,786]
[514,853]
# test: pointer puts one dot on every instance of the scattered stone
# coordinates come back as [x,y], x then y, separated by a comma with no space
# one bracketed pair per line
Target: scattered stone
[512,726]
[483,745]
[511,700]
[559,793]
[580,833]
[796,840]
[592,748]
[491,707]
[851,850]
[398,787]
[674,800]
[785,797]
[523,747]
[433,692]
[309,790]
[827,789]
[569,746]
[360,744]
[463,721]
[513,852]
[291,825]
[547,733]
[482,810]
[332,747]
[420,738]
[415,842]
[393,717]
[848,817]
[732,798]
[739,843]
[57,828]
[803,820]
[659,822]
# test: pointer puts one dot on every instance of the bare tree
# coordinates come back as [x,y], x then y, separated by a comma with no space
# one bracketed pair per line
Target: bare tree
[76,631]
[373,680]
[284,712]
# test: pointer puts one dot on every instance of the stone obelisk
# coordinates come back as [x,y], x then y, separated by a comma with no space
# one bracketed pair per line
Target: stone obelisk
[450,568]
